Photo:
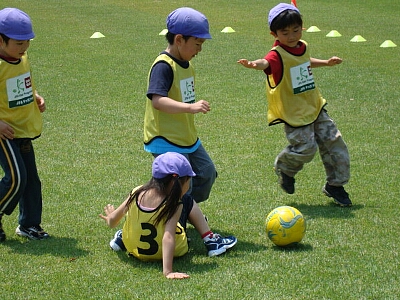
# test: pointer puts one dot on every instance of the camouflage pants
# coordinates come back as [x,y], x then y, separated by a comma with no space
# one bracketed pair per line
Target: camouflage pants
[303,144]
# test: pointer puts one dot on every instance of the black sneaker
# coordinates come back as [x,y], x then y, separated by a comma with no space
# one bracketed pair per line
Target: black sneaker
[286,182]
[2,233]
[339,195]
[33,232]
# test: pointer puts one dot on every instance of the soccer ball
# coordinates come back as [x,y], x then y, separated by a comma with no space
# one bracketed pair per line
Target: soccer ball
[285,225]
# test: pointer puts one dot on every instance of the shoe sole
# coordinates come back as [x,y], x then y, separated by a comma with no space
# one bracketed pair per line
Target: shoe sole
[23,234]
[290,192]
[213,253]
[334,199]
[114,246]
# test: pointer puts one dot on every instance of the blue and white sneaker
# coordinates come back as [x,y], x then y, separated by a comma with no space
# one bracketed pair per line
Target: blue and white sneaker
[218,244]
[116,243]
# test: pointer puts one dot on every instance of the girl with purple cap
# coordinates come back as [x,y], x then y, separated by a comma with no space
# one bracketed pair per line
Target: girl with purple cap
[294,99]
[156,216]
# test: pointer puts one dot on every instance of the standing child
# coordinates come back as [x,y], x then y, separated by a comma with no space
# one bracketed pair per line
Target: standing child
[20,123]
[156,216]
[294,100]
[170,107]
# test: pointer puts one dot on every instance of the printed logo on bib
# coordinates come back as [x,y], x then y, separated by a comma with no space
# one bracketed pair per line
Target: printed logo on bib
[302,78]
[187,90]
[19,90]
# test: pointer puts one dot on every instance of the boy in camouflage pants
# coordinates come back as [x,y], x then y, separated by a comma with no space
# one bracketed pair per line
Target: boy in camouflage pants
[293,99]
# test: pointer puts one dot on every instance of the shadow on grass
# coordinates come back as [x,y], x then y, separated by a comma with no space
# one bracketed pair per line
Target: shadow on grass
[186,263]
[300,247]
[196,261]
[198,247]
[58,246]
[330,210]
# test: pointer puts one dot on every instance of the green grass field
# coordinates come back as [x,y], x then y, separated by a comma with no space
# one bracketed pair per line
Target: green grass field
[91,154]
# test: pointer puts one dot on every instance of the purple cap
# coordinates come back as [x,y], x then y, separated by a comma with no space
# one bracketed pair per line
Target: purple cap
[16,24]
[171,163]
[281,7]
[187,21]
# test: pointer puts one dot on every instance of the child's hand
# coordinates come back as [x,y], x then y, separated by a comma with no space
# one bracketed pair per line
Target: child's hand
[334,60]
[108,209]
[200,106]
[6,131]
[40,103]
[246,63]
[176,275]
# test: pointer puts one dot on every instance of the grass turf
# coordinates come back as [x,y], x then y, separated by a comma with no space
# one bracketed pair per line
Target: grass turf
[90,154]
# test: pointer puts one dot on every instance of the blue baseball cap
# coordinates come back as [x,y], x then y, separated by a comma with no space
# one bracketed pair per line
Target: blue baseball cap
[281,7]
[16,24]
[188,21]
[171,163]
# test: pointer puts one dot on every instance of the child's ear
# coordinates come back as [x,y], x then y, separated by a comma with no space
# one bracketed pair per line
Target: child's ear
[274,34]
[178,39]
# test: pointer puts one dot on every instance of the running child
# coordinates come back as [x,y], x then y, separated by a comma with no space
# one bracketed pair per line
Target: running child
[293,99]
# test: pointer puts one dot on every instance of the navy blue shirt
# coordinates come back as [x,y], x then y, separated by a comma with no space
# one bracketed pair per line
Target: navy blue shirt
[162,76]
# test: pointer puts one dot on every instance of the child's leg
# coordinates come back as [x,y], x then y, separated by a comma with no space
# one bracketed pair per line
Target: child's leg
[206,174]
[333,151]
[301,150]
[12,185]
[214,243]
[197,219]
[30,205]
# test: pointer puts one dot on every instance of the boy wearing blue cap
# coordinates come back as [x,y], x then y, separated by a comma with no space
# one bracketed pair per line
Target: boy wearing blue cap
[294,100]
[156,215]
[171,103]
[20,123]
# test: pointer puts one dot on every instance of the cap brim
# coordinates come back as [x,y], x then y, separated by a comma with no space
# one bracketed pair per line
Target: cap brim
[203,36]
[23,37]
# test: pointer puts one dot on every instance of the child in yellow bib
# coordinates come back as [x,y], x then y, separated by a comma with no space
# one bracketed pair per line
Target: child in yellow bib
[156,214]
[293,99]
[20,123]
[171,103]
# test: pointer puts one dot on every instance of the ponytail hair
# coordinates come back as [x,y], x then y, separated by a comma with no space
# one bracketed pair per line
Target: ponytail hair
[173,195]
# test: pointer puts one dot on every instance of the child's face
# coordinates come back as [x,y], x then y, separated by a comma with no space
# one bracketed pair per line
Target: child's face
[189,48]
[289,36]
[14,48]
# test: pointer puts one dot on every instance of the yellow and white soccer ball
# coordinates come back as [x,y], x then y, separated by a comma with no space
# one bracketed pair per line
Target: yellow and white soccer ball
[285,225]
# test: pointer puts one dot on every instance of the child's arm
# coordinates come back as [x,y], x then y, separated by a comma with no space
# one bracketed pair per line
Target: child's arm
[168,247]
[112,215]
[334,60]
[170,106]
[258,64]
